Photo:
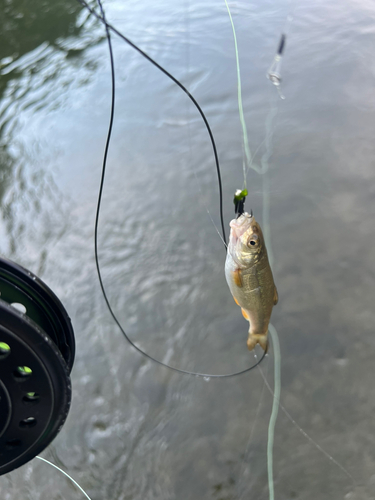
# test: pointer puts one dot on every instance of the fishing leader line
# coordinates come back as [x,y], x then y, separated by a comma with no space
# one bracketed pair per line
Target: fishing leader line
[108,28]
[239,201]
[275,77]
[65,474]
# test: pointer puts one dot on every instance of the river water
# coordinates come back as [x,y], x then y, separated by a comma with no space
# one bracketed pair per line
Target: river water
[137,431]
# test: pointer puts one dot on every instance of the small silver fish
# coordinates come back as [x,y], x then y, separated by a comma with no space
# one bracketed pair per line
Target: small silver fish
[249,277]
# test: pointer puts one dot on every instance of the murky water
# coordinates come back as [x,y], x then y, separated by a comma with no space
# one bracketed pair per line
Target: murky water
[137,430]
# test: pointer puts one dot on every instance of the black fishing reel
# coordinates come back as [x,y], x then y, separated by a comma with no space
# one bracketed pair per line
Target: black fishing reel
[36,356]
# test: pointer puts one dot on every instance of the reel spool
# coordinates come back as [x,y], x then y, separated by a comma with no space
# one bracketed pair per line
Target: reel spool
[36,356]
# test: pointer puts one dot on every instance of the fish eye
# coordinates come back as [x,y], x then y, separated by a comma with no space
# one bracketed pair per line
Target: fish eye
[253,240]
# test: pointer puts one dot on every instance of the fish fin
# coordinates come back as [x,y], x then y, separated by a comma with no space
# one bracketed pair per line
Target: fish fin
[255,339]
[237,278]
[244,314]
[236,301]
[275,297]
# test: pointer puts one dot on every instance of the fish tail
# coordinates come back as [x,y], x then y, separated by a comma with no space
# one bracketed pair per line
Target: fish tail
[255,339]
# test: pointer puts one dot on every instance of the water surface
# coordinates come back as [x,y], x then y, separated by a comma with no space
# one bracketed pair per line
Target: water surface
[137,430]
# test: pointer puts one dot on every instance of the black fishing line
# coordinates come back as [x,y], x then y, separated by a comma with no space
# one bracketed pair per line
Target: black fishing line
[108,27]
[177,82]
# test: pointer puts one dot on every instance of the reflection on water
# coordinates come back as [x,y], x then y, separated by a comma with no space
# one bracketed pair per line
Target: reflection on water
[137,431]
[38,68]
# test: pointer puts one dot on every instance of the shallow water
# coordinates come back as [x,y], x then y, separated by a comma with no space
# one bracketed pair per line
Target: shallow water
[136,430]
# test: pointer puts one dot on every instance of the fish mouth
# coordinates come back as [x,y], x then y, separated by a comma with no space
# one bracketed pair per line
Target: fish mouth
[240,226]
